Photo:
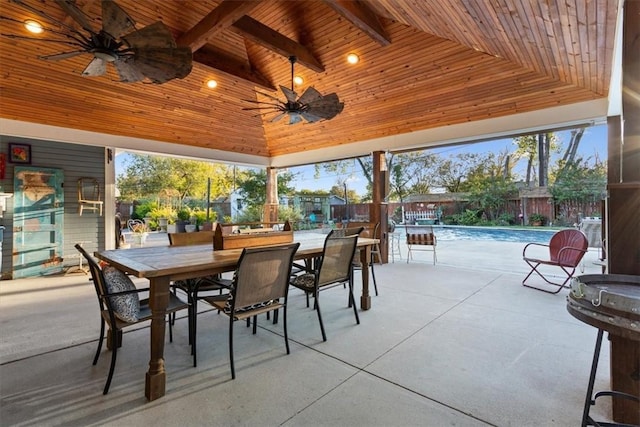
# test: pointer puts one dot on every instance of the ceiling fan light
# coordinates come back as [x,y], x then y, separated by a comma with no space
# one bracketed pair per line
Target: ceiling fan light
[212,84]
[352,58]
[298,80]
[33,26]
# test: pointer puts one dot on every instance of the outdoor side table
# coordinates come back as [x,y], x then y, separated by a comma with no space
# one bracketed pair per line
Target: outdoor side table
[611,303]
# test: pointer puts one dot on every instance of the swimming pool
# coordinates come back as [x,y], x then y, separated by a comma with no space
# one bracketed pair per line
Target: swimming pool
[499,234]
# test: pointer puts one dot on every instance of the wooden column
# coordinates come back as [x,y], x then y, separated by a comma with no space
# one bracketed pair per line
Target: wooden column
[623,206]
[379,211]
[271,203]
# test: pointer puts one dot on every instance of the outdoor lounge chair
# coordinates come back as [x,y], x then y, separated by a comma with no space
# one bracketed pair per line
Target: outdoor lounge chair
[421,237]
[566,249]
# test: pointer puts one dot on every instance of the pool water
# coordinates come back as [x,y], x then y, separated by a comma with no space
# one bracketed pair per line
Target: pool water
[498,234]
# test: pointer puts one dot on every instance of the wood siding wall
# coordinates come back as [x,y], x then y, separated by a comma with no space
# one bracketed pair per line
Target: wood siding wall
[76,161]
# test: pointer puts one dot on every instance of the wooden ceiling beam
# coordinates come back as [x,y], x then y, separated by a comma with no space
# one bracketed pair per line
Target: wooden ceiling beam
[213,58]
[219,19]
[259,33]
[363,17]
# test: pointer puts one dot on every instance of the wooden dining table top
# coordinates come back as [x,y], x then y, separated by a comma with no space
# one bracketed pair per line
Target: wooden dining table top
[181,262]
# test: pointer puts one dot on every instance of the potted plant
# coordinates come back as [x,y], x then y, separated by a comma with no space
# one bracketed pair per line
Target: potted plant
[537,219]
[183,219]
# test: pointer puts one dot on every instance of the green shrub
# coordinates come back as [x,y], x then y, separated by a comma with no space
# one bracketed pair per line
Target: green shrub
[289,213]
[536,217]
[144,208]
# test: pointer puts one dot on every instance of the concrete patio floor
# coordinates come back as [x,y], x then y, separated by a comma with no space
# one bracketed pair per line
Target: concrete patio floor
[459,343]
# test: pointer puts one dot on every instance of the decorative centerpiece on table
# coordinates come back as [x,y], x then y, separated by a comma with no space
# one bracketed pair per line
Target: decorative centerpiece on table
[140,232]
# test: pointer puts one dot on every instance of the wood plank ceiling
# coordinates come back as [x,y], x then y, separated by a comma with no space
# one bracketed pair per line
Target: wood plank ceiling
[424,64]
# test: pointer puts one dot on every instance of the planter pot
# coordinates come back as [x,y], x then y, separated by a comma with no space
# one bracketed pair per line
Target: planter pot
[206,226]
[189,228]
[180,226]
[162,223]
[171,228]
[537,223]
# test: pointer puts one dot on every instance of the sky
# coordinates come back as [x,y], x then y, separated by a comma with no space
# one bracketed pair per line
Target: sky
[594,142]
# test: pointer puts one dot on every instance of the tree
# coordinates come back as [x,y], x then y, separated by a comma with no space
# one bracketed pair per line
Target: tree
[154,176]
[579,181]
[536,148]
[252,184]
[489,183]
[411,173]
[453,172]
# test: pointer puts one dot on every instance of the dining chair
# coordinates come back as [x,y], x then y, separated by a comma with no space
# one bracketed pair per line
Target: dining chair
[375,250]
[194,287]
[335,267]
[260,285]
[120,307]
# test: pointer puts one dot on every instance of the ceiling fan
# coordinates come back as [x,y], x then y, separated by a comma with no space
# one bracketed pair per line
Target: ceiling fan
[312,106]
[148,53]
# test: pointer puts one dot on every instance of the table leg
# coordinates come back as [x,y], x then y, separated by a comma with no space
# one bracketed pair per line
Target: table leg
[365,257]
[155,380]
[625,378]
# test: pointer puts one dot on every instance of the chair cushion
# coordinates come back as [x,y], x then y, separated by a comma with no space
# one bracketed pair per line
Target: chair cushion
[125,307]
[305,281]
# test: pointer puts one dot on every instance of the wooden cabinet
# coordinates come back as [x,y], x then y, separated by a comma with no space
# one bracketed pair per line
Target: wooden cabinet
[37,221]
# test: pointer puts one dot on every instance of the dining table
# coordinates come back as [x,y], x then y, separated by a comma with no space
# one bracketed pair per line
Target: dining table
[163,264]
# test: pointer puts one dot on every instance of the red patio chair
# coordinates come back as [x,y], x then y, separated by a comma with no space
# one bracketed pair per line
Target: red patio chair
[566,249]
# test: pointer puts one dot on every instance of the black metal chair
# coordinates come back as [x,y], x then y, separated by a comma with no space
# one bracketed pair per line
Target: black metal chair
[194,288]
[119,309]
[260,285]
[334,267]
[357,264]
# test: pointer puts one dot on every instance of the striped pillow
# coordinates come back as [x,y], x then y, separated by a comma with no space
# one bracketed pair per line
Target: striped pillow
[420,238]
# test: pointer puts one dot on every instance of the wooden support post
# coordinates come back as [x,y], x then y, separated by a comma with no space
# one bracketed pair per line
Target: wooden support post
[379,212]
[623,206]
[271,205]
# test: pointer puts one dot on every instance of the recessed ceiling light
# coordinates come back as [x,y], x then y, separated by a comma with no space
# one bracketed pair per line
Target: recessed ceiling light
[352,58]
[33,26]
[298,80]
[212,84]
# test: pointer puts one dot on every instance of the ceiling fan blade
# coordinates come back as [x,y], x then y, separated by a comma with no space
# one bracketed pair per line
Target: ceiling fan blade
[115,21]
[327,107]
[63,55]
[156,35]
[163,64]
[97,67]
[70,8]
[278,117]
[310,95]
[127,72]
[289,94]
[311,118]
